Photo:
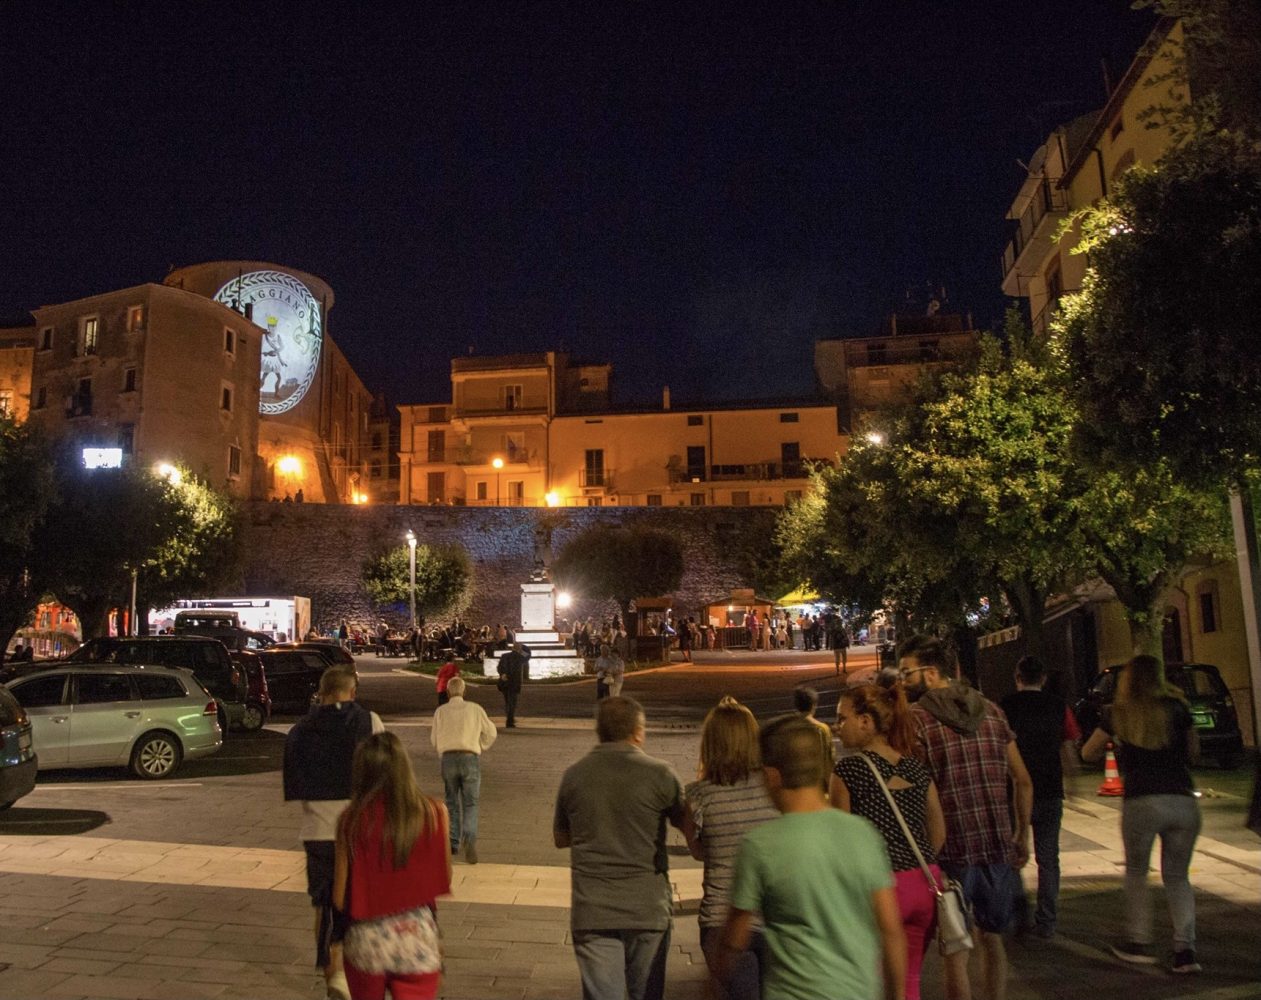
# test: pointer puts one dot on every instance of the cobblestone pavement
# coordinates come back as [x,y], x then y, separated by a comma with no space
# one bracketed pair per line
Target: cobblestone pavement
[194,887]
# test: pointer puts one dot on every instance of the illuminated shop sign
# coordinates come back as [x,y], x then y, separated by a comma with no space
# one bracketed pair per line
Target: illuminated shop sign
[292,327]
[102,458]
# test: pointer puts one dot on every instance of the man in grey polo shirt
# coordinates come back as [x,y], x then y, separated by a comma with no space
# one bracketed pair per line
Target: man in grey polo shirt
[611,811]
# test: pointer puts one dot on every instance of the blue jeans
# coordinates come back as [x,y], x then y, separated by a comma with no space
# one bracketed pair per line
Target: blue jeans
[1176,820]
[745,980]
[614,964]
[1047,816]
[462,781]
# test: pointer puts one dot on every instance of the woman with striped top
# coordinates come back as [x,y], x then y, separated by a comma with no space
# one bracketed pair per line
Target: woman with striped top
[728,799]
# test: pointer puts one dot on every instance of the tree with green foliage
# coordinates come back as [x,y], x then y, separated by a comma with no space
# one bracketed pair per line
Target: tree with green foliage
[104,524]
[444,579]
[27,487]
[1160,341]
[620,564]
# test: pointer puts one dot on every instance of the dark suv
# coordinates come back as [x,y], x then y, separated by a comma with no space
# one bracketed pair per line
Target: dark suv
[207,658]
[1212,707]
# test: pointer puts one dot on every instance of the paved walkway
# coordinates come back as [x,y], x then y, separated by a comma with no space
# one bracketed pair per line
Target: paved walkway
[195,888]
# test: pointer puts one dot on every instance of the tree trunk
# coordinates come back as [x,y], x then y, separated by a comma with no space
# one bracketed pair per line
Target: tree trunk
[1029,603]
[1147,636]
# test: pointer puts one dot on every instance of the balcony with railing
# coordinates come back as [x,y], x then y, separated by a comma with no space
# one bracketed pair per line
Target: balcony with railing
[589,479]
[746,472]
[1035,229]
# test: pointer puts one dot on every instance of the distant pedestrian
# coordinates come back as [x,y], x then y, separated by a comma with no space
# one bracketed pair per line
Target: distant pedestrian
[726,802]
[461,733]
[392,864]
[877,722]
[318,762]
[604,667]
[806,703]
[446,673]
[611,810]
[971,752]
[821,882]
[685,641]
[513,668]
[1047,736]
[343,634]
[1155,739]
[840,646]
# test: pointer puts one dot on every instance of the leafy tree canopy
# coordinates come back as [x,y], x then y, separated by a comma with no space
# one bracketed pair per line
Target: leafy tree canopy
[27,487]
[620,564]
[1160,342]
[444,579]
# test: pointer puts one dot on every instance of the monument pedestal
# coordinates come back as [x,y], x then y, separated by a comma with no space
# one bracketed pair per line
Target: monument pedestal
[548,655]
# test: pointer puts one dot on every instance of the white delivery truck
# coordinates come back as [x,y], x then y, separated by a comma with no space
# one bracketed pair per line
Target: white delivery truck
[282,618]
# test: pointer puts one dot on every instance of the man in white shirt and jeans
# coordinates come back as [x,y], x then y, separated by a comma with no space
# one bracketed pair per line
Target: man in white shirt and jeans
[461,731]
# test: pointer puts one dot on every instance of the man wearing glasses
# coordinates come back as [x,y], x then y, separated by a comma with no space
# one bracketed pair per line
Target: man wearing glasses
[971,752]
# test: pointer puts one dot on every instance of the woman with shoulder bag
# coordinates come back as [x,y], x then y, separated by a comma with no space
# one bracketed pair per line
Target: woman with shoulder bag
[881,781]
[393,860]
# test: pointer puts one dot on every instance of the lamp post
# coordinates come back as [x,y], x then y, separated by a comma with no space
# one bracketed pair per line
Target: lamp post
[411,563]
[498,463]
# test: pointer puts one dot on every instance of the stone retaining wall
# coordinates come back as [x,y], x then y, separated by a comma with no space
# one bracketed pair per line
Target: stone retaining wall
[318,551]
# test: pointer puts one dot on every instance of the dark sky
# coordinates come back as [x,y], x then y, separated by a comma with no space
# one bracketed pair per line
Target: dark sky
[693,191]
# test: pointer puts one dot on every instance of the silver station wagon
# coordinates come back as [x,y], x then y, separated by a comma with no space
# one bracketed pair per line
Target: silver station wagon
[147,718]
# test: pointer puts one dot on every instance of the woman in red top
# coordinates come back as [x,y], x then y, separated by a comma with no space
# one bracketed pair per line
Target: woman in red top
[448,670]
[393,860]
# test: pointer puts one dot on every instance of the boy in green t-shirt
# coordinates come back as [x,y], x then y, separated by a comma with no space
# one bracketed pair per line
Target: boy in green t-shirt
[820,879]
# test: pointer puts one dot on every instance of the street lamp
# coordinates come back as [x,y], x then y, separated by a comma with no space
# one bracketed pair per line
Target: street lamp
[498,463]
[411,545]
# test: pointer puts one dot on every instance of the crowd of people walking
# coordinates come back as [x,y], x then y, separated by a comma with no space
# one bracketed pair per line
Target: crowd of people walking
[825,874]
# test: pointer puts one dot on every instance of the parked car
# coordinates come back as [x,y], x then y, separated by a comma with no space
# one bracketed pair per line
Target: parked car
[1212,707]
[293,676]
[207,658]
[258,697]
[18,761]
[333,654]
[147,718]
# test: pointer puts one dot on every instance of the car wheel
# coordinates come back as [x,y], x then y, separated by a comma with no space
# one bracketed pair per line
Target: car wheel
[253,717]
[156,755]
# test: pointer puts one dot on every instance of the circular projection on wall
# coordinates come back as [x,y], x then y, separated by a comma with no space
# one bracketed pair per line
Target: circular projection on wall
[292,332]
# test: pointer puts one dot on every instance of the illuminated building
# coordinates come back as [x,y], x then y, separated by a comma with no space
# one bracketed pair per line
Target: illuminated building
[538,430]
[226,367]
[17,355]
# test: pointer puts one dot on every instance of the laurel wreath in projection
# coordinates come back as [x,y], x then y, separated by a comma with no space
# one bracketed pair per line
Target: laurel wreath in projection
[292,325]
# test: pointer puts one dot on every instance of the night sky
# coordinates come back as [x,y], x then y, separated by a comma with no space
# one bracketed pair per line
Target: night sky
[695,192]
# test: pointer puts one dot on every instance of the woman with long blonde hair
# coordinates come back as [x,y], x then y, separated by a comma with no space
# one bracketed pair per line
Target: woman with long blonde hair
[728,799]
[393,860]
[1151,728]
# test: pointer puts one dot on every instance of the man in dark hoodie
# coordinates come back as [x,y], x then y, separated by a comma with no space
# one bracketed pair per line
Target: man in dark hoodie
[319,754]
[514,668]
[971,752]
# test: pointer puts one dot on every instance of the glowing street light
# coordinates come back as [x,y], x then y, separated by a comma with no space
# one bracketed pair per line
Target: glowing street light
[168,472]
[551,498]
[875,437]
[563,599]
[498,463]
[289,465]
[411,545]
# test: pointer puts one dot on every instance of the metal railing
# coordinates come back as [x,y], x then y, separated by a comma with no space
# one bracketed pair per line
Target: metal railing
[1048,199]
[593,478]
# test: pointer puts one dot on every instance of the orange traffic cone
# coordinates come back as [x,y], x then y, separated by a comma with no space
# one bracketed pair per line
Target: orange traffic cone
[1112,784]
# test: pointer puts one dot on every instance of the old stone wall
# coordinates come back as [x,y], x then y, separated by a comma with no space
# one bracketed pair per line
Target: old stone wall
[318,551]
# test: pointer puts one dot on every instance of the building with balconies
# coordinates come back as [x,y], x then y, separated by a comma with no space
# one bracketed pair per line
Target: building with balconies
[1077,166]
[489,445]
[866,374]
[537,429]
